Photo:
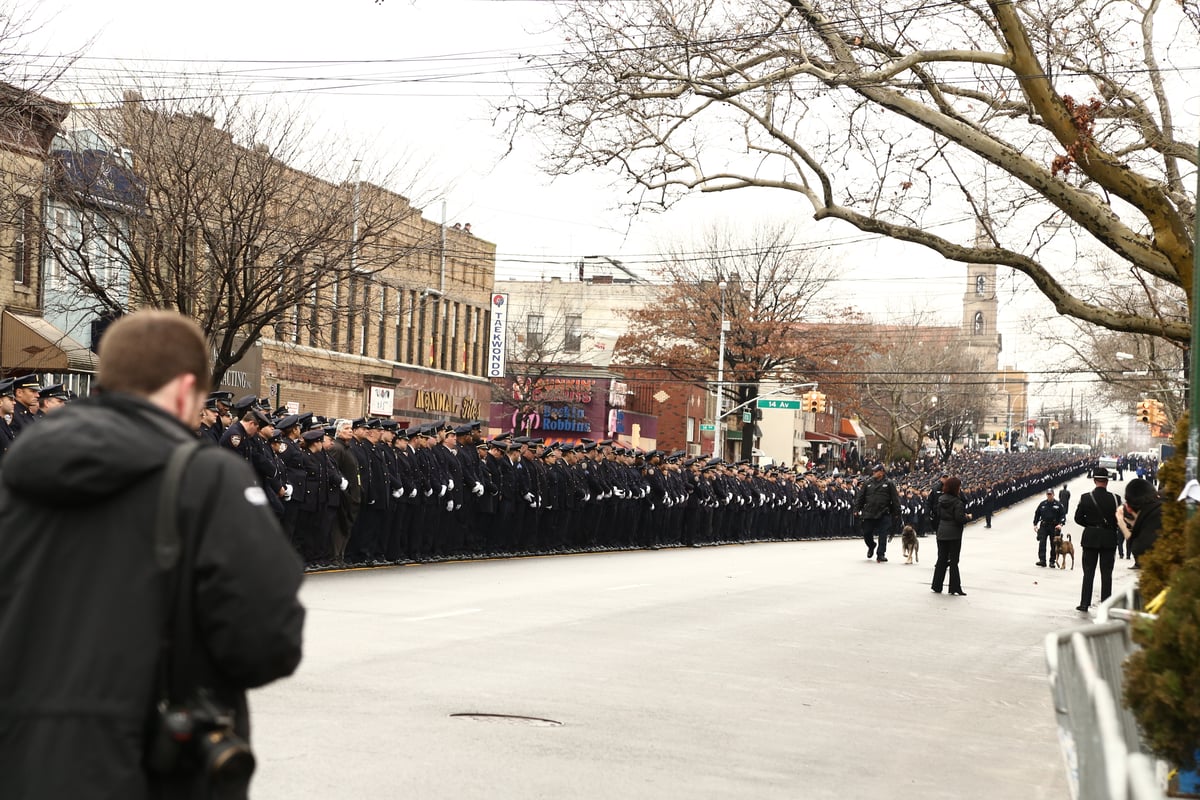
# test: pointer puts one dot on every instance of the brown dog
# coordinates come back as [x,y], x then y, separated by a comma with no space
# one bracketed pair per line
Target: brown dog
[1065,548]
[911,546]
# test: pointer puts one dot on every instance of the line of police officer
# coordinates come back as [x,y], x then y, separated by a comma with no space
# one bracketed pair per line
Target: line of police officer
[370,492]
[23,401]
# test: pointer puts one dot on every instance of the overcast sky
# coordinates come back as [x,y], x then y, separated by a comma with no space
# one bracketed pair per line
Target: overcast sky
[420,77]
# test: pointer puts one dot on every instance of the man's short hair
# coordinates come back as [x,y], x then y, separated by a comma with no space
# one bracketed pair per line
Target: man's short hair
[144,351]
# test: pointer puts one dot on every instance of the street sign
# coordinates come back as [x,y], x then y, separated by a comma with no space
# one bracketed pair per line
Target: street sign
[747,416]
[790,405]
[705,428]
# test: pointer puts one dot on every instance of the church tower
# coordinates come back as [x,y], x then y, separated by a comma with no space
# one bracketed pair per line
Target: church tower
[980,308]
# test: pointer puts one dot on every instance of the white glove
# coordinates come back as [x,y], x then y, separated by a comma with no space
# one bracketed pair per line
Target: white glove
[412,492]
[398,493]
[586,497]
[449,505]
[287,492]
[450,485]
[429,492]
[442,491]
[477,489]
[345,483]
[529,498]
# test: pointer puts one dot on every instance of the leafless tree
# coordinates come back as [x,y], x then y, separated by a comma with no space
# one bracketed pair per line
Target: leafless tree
[774,299]
[921,387]
[229,212]
[1057,126]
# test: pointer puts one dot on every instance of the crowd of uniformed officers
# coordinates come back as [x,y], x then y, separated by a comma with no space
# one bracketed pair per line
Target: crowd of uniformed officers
[368,491]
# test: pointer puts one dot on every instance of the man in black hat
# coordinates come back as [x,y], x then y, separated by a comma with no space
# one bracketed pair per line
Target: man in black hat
[51,398]
[1048,520]
[25,392]
[1096,511]
[7,403]
[877,508]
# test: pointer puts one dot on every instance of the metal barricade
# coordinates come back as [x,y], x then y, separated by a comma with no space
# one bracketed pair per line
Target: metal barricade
[1101,744]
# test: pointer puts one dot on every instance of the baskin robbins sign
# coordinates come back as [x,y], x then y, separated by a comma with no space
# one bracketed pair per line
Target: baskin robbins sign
[497,334]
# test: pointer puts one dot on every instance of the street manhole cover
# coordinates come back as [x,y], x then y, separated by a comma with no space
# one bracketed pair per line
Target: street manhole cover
[510,719]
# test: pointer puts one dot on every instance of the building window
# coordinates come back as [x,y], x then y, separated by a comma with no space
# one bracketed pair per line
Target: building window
[573,337]
[24,241]
[978,323]
[980,285]
[533,331]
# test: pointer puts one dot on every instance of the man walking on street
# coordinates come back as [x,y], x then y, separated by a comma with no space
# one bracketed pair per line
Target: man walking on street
[88,588]
[876,507]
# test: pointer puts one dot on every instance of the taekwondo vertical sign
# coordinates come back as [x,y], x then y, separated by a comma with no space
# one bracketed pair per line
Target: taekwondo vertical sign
[496,338]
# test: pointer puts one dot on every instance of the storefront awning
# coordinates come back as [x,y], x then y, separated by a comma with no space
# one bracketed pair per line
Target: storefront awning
[851,429]
[813,436]
[31,344]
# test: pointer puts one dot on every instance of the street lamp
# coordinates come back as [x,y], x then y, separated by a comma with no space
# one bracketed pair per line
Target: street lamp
[718,447]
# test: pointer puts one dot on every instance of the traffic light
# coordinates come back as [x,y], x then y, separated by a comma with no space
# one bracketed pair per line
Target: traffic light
[1158,415]
[820,397]
[810,403]
[1143,411]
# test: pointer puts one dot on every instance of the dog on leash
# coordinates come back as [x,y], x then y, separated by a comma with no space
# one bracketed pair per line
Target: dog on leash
[911,545]
[1064,548]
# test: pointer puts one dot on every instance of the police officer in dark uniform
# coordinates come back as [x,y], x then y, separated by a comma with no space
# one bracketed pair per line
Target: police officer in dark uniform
[25,393]
[7,404]
[1048,520]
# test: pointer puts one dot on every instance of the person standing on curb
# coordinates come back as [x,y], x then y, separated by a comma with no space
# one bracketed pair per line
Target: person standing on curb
[1096,511]
[952,515]
[90,590]
[877,508]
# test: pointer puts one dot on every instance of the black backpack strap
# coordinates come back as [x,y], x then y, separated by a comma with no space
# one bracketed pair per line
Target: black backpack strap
[173,557]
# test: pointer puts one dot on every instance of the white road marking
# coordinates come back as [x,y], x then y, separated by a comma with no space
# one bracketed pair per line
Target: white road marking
[627,586]
[445,614]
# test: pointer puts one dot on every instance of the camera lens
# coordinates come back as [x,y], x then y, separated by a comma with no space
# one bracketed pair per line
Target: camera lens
[228,758]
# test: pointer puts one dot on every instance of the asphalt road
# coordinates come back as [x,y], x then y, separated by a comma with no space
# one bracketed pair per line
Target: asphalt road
[791,670]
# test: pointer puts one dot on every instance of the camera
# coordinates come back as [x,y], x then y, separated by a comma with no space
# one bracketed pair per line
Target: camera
[199,738]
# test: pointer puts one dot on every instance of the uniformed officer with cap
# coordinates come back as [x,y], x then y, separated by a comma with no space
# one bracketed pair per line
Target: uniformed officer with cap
[7,403]
[51,398]
[25,393]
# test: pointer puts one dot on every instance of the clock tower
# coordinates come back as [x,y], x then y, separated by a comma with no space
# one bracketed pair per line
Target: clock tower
[980,308]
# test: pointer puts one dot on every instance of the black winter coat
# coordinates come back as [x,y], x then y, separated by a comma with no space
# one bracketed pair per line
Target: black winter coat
[83,602]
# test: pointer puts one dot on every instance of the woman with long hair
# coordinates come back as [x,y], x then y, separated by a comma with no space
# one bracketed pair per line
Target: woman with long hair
[951,516]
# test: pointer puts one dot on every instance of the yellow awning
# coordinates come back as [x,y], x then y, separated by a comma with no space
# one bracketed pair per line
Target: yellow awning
[31,344]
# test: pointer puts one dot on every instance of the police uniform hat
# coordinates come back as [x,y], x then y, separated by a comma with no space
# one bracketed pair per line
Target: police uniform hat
[430,429]
[54,390]
[1100,474]
[522,440]
[411,431]
[389,424]
[314,435]
[244,404]
[402,433]
[566,447]
[374,425]
[496,443]
[504,437]
[514,446]
[463,430]
[1050,491]
[445,425]
[605,443]
[588,447]
[878,468]
[276,436]
[26,382]
[358,423]
[290,421]
[222,396]
[6,387]
[690,461]
[262,419]
[587,441]
[330,430]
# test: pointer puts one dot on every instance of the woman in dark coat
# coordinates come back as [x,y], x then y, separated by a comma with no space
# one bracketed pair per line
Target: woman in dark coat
[951,516]
[1143,501]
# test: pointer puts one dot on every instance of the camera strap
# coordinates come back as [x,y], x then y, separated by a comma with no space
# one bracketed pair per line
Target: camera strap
[177,558]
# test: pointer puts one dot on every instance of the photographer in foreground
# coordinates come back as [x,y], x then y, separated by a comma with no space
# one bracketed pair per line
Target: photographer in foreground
[86,602]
